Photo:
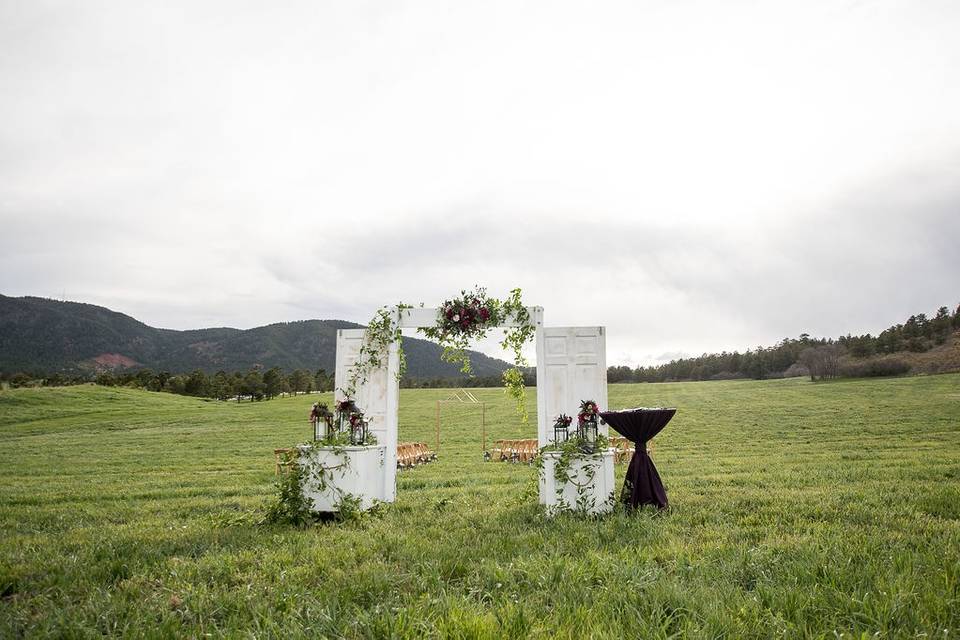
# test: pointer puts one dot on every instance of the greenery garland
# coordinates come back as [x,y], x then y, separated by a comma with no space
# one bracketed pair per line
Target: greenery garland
[459,322]
[381,331]
[576,446]
[292,506]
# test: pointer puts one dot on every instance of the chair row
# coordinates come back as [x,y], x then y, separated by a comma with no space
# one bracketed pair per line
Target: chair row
[410,454]
[514,450]
[527,450]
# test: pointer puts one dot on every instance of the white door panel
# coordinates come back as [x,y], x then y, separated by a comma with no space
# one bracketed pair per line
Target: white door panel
[573,364]
[371,397]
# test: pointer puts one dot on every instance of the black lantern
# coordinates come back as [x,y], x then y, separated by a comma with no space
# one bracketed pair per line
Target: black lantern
[358,428]
[322,422]
[588,432]
[345,408]
[561,428]
[587,424]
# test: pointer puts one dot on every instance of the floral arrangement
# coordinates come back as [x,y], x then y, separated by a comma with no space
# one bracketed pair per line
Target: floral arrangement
[463,319]
[563,420]
[459,320]
[467,315]
[356,419]
[588,411]
[347,405]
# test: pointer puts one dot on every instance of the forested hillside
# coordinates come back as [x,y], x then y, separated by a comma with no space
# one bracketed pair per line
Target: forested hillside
[920,344]
[42,336]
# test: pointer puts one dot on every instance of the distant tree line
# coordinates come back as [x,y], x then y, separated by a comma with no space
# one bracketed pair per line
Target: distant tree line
[254,385]
[848,356]
[820,358]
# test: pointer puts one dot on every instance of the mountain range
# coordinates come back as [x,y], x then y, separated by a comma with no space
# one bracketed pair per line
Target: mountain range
[40,335]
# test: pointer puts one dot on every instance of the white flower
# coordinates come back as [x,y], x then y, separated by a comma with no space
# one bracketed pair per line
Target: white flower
[456,317]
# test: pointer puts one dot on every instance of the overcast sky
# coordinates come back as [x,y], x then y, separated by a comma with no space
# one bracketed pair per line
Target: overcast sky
[696,176]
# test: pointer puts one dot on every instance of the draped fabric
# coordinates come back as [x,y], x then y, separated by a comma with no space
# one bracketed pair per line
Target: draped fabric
[642,484]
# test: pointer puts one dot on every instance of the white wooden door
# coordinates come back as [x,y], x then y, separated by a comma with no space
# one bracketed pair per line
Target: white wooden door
[373,398]
[571,366]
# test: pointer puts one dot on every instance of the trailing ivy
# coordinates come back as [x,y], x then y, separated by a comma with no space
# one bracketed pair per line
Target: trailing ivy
[460,322]
[292,506]
[382,330]
[575,447]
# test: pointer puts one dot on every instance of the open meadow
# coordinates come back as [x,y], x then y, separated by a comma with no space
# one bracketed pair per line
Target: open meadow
[798,510]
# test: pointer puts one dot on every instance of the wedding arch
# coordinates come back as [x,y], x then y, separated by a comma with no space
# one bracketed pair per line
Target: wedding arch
[570,364]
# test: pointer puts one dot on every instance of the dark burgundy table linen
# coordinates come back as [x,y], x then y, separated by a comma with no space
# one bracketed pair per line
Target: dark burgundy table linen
[642,484]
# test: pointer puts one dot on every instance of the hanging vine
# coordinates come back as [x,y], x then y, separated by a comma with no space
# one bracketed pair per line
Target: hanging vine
[381,331]
[305,471]
[576,447]
[460,321]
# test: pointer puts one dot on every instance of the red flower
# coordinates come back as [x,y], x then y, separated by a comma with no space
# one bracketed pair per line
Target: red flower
[484,314]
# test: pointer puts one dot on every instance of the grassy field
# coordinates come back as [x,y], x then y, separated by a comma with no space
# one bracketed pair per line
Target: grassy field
[798,510]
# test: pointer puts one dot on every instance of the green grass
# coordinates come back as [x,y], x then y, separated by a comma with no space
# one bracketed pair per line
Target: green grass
[798,510]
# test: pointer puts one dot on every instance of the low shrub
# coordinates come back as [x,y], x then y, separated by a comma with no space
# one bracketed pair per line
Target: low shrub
[796,370]
[728,375]
[874,368]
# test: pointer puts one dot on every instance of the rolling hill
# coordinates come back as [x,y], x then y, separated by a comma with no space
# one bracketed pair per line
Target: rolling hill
[46,336]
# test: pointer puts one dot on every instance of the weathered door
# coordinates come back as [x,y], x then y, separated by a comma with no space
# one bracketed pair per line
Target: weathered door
[571,366]
[373,398]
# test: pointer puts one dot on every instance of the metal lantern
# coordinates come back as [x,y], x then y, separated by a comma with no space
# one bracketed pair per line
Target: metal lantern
[588,428]
[358,429]
[345,408]
[322,422]
[561,430]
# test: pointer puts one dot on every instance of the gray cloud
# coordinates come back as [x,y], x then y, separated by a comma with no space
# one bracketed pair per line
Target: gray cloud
[694,177]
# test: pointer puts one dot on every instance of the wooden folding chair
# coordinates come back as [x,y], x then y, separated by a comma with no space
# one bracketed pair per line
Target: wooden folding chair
[529,451]
[514,451]
[283,459]
[403,455]
[428,455]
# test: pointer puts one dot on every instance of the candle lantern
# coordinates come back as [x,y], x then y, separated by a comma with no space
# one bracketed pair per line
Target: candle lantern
[358,428]
[322,423]
[561,428]
[345,408]
[588,424]
[588,431]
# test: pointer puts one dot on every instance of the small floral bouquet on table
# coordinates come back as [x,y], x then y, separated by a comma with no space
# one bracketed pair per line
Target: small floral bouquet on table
[588,411]
[561,428]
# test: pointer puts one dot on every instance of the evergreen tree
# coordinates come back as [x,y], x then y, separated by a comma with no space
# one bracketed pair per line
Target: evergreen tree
[197,384]
[253,385]
[273,382]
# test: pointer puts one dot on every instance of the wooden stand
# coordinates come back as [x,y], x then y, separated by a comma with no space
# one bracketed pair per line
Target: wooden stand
[582,493]
[358,472]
